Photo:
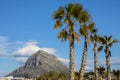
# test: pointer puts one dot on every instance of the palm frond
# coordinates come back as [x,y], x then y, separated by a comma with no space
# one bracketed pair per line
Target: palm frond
[83,17]
[66,21]
[92,39]
[91,25]
[109,38]
[115,41]
[62,35]
[94,30]
[57,24]
[112,42]
[99,39]
[105,37]
[82,30]
[76,9]
[59,14]
[70,28]
[85,29]
[100,48]
[95,37]
[102,40]
[69,8]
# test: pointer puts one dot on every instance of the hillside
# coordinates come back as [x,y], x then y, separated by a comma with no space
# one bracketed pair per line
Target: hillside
[38,64]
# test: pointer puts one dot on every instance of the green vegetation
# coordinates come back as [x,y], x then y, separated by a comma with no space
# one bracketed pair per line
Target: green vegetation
[101,71]
[117,74]
[102,74]
[53,76]
[26,76]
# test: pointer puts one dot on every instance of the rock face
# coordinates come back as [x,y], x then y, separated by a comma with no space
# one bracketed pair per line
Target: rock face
[38,64]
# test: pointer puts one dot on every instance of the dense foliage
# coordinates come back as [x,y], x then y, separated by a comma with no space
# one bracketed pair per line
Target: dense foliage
[87,76]
[53,76]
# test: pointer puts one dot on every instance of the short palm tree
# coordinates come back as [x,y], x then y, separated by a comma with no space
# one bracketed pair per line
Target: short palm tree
[95,39]
[85,30]
[107,42]
[66,18]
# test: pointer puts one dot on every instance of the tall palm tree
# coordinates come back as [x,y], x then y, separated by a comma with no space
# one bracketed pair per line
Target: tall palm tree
[85,30]
[108,43]
[95,39]
[66,18]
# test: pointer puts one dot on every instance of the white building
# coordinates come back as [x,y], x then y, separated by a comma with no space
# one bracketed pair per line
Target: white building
[13,78]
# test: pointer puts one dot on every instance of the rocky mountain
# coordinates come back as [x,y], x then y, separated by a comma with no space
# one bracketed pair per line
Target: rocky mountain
[38,64]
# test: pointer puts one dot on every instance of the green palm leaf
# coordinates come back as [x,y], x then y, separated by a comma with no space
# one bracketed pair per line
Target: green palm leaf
[57,24]
[59,14]
[100,48]
[83,17]
[62,35]
[115,41]
[109,38]
[77,8]
[92,39]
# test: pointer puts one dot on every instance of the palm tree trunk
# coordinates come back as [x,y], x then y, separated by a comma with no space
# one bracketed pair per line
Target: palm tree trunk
[72,61]
[95,61]
[83,63]
[108,63]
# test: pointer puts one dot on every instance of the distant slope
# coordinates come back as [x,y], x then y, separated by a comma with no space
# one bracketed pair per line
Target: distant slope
[38,64]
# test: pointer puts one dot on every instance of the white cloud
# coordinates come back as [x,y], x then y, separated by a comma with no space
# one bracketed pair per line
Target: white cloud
[27,49]
[3,38]
[31,47]
[64,60]
[113,61]
[90,61]
[21,59]
[3,45]
[87,68]
[49,50]
[2,73]
[22,50]
[2,55]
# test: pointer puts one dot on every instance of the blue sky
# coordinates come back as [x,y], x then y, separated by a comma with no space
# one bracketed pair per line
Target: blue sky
[27,25]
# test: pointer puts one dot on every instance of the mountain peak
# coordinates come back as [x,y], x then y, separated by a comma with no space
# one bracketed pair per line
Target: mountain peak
[40,63]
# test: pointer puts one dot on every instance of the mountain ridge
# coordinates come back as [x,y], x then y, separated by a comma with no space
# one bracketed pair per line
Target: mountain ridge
[38,64]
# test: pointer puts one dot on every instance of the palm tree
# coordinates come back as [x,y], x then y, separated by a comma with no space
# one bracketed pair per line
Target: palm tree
[66,18]
[95,39]
[107,42]
[84,31]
